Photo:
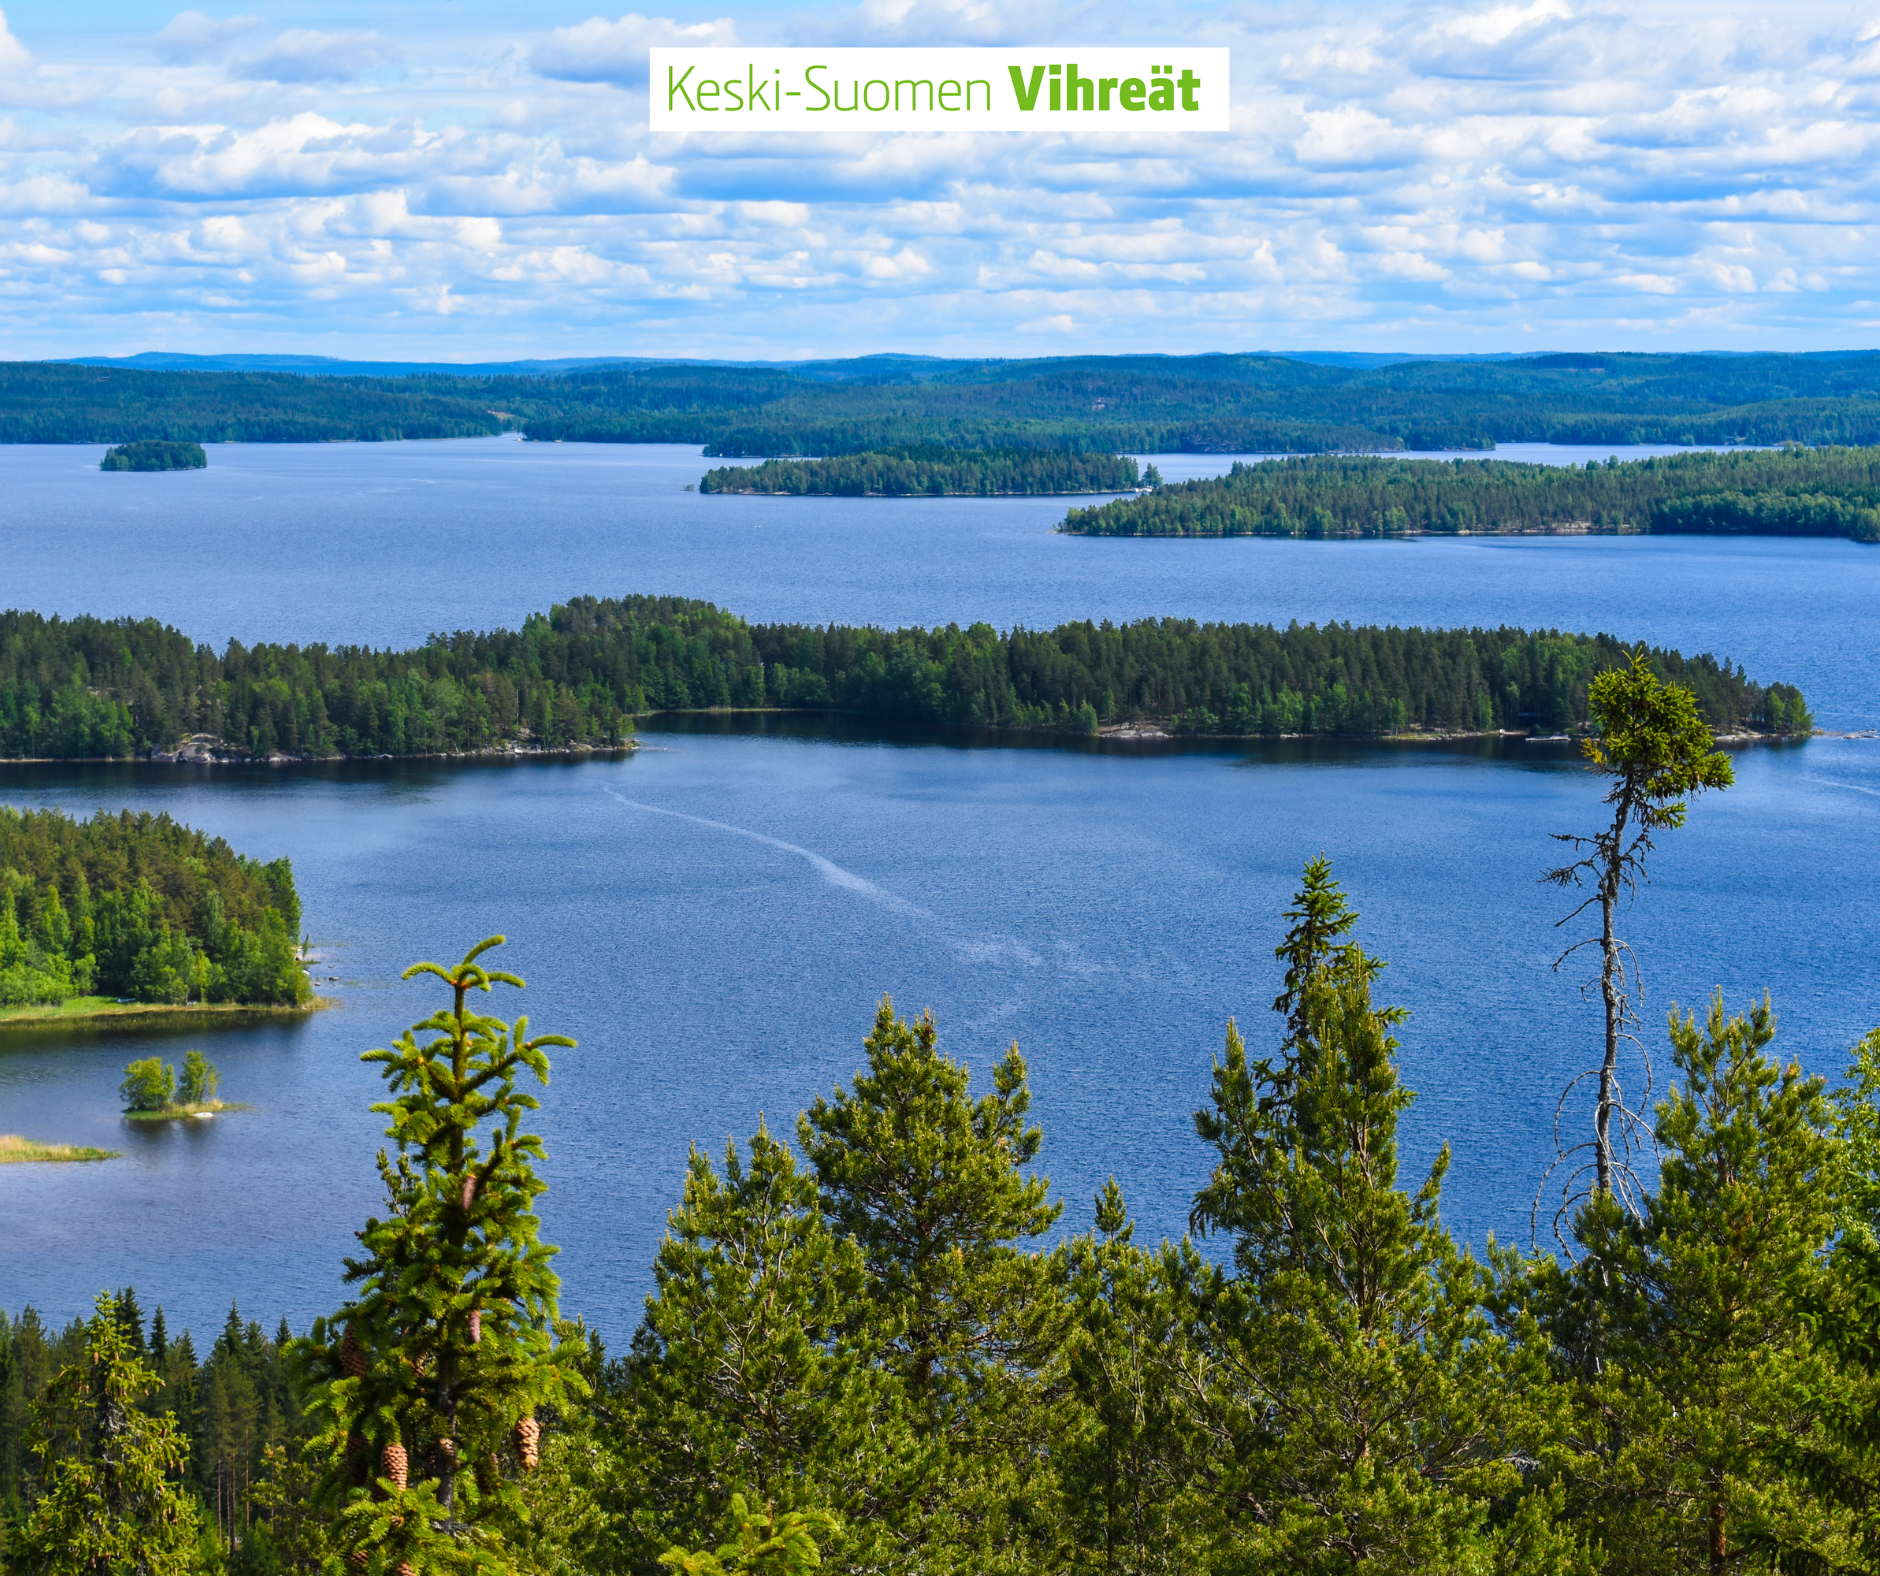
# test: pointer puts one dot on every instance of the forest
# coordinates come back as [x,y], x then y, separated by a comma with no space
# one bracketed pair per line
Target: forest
[1074,404]
[1774,492]
[934,472]
[575,678]
[154,454]
[868,1346]
[135,905]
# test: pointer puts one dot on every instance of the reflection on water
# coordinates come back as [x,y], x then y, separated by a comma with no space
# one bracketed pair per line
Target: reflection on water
[715,919]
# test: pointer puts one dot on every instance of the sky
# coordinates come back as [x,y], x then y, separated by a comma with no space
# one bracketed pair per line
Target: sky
[459,180]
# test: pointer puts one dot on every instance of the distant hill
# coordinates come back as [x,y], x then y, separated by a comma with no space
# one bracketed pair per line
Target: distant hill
[1076,404]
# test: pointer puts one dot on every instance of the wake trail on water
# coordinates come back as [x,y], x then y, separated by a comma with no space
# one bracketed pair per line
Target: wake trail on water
[828,869]
[1830,782]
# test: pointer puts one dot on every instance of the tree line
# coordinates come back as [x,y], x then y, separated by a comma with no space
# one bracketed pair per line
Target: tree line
[86,687]
[136,905]
[1780,492]
[932,472]
[1076,404]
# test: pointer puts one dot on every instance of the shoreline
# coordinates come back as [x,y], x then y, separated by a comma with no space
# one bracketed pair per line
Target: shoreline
[59,1016]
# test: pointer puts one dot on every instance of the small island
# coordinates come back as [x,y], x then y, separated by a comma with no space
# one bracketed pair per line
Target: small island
[154,454]
[15,1151]
[932,471]
[152,1091]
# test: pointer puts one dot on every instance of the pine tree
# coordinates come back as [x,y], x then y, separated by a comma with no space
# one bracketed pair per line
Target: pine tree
[1359,1408]
[1689,1323]
[109,1504]
[930,1185]
[426,1386]
[1651,742]
[748,1376]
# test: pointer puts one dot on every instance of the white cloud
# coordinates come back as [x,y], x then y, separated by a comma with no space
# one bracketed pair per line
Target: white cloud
[602,51]
[1471,175]
[15,58]
[307,55]
[194,35]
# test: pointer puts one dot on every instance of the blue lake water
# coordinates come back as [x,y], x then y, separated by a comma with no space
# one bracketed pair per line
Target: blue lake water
[715,917]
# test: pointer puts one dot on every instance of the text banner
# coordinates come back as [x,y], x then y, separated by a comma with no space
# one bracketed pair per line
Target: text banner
[1145,92]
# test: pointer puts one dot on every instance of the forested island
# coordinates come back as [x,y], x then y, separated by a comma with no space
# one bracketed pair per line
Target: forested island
[1071,404]
[576,677]
[935,472]
[1780,492]
[136,905]
[154,454]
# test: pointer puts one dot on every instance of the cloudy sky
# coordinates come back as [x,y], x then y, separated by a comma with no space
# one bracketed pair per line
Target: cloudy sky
[461,180]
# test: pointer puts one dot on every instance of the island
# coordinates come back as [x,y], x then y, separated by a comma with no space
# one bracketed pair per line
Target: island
[154,454]
[934,472]
[576,677]
[15,1150]
[1776,492]
[135,911]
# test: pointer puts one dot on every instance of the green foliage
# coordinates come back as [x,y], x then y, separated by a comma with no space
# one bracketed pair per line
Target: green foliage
[1685,1325]
[154,454]
[199,1080]
[107,1505]
[1652,744]
[427,1382]
[139,906]
[149,1085]
[1784,492]
[1346,1378]
[1075,404]
[763,1544]
[577,677]
[48,402]
[931,472]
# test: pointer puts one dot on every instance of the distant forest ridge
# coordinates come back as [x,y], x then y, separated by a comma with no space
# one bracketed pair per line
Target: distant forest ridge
[933,472]
[1779,492]
[1093,404]
[575,678]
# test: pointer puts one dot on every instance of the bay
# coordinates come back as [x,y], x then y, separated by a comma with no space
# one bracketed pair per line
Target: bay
[715,918]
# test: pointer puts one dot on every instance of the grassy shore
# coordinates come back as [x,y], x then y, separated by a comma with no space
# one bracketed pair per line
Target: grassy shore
[82,1009]
[15,1150]
[171,1113]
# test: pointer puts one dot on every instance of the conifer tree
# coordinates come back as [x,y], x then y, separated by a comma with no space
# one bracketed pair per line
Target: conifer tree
[748,1376]
[930,1184]
[1360,1409]
[1705,1378]
[110,1503]
[1650,741]
[426,1385]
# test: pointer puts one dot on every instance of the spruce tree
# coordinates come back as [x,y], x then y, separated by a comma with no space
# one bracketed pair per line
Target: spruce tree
[426,1385]
[110,1503]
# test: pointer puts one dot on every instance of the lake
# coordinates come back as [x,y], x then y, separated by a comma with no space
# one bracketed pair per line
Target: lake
[715,917]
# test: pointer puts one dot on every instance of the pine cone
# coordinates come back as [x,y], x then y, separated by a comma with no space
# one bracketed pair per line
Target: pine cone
[489,1474]
[528,1442]
[469,1192]
[352,1356]
[358,1559]
[447,1451]
[406,1568]
[476,1326]
[394,1464]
